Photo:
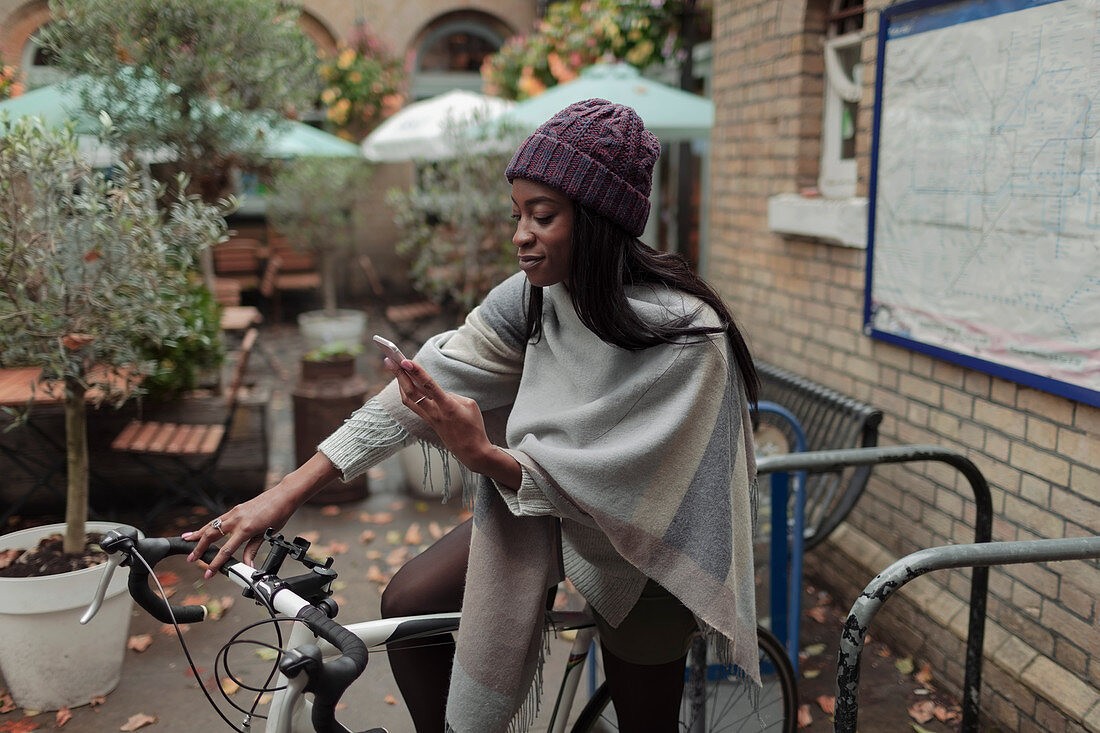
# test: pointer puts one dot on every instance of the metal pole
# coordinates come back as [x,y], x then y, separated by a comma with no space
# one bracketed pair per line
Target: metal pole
[978,556]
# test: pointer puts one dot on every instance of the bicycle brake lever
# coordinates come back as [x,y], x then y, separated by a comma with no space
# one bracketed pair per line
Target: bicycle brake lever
[113,561]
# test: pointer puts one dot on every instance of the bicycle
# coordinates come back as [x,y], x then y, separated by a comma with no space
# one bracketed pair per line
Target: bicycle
[716,697]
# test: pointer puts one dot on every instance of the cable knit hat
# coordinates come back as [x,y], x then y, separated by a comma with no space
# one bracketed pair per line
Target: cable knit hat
[595,152]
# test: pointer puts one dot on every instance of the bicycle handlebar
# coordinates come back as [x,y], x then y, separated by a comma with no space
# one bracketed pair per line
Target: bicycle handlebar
[327,680]
[155,549]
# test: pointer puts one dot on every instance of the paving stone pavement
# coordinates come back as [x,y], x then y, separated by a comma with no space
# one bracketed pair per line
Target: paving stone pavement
[157,682]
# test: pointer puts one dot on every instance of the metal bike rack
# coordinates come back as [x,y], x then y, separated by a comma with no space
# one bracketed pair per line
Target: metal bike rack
[835,460]
[977,556]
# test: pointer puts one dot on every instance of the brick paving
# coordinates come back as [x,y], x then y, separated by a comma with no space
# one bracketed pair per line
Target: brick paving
[157,682]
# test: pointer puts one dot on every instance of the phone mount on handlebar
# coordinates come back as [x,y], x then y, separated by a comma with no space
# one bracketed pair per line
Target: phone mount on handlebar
[314,586]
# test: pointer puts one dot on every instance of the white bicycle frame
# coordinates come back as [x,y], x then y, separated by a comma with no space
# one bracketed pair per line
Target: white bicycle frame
[289,711]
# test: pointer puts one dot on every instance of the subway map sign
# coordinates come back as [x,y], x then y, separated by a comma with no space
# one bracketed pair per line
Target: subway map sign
[984,231]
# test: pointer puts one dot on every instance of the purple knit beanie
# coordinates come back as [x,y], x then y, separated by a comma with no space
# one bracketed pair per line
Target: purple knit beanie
[597,153]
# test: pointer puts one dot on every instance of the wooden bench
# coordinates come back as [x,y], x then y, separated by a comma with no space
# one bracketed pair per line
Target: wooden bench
[190,451]
[831,421]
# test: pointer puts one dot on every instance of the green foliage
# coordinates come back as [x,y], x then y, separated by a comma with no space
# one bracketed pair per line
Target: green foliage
[182,74]
[314,203]
[575,34]
[92,274]
[333,350]
[181,361]
[364,85]
[454,221]
[90,256]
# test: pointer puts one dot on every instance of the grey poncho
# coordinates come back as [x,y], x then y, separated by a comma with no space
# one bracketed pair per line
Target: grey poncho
[645,457]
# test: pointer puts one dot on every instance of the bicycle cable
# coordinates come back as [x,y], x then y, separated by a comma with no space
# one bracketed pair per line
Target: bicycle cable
[191,662]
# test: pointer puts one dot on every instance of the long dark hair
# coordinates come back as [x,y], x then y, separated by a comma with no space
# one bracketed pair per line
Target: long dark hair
[605,259]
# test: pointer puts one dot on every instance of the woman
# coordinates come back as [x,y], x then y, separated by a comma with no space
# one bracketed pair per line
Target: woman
[602,396]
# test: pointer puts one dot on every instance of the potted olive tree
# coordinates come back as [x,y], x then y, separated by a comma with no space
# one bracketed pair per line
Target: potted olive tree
[93,273]
[314,203]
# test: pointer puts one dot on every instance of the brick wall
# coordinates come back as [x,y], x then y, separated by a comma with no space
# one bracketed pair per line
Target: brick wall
[800,301]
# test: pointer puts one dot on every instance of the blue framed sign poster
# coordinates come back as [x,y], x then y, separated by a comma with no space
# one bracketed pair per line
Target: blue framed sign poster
[984,229]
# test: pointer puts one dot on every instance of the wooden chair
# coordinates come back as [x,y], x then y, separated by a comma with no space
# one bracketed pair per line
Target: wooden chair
[183,456]
[404,318]
[287,270]
[238,260]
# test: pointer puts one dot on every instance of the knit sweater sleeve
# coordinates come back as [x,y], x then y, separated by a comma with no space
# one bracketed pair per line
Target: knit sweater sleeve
[367,438]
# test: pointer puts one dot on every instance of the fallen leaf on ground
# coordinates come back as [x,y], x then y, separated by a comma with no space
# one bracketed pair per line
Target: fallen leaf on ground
[378,473]
[922,711]
[229,686]
[924,674]
[944,715]
[904,665]
[382,518]
[394,537]
[267,654]
[139,642]
[397,557]
[96,701]
[374,554]
[339,585]
[196,599]
[375,575]
[827,703]
[64,715]
[813,650]
[397,506]
[883,652]
[435,530]
[367,536]
[919,729]
[805,718]
[18,726]
[390,700]
[311,536]
[330,510]
[170,630]
[138,721]
[168,577]
[266,698]
[413,536]
[189,672]
[6,703]
[817,613]
[217,607]
[336,547]
[7,557]
[421,506]
[811,673]
[464,515]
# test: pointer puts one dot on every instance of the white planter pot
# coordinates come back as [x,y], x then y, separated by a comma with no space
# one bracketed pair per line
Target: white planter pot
[344,325]
[47,658]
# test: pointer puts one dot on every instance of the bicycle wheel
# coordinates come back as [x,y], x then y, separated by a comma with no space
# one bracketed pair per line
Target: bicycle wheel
[729,703]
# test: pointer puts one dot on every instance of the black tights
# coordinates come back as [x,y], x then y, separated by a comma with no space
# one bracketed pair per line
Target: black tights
[646,697]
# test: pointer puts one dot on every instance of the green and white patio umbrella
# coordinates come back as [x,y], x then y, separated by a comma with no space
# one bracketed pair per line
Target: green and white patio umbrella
[669,113]
[59,104]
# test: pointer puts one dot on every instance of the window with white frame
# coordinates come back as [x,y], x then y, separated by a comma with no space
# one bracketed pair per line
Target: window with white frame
[843,89]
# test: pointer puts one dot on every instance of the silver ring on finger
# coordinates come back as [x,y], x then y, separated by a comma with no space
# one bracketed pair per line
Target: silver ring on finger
[217,524]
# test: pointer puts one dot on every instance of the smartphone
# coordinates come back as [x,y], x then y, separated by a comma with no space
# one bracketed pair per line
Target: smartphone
[390,349]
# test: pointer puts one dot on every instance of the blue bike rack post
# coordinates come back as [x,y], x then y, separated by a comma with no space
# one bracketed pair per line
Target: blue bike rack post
[785,587]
